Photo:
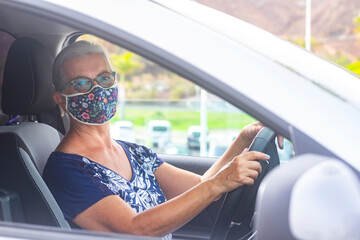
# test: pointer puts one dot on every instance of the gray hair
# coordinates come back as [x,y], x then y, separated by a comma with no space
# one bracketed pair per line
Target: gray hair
[74,50]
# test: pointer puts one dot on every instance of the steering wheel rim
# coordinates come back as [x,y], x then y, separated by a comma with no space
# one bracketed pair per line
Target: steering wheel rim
[264,142]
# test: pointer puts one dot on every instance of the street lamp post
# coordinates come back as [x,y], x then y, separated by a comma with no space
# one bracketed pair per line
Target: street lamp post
[203,122]
[308,25]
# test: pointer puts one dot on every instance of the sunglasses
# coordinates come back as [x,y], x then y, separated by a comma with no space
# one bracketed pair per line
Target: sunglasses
[83,84]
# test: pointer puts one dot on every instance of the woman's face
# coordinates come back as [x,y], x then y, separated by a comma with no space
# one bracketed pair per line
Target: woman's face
[90,66]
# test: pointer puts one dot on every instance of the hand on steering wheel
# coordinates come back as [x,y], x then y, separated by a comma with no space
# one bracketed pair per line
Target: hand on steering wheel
[242,170]
[251,130]
[242,199]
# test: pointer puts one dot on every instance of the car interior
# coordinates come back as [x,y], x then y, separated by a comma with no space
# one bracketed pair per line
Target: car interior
[28,59]
[31,127]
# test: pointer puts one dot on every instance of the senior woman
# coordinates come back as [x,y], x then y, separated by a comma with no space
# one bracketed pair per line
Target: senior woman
[107,185]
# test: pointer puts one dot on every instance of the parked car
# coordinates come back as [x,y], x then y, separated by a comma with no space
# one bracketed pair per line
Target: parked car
[159,132]
[312,102]
[194,137]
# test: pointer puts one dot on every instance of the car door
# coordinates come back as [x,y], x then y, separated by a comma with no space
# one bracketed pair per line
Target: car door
[163,109]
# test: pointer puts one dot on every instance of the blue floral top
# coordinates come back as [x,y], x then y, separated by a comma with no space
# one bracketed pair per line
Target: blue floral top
[78,182]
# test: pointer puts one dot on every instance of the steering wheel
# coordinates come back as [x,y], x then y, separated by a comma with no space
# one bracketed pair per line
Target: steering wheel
[237,210]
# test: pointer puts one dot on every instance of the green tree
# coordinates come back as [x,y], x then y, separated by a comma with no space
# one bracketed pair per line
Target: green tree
[124,65]
[355,67]
[301,41]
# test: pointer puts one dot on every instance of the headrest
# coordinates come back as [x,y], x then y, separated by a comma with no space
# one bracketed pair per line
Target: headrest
[27,85]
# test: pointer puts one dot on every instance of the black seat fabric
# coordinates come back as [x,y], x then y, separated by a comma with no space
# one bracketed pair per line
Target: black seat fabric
[25,147]
[27,85]
[23,90]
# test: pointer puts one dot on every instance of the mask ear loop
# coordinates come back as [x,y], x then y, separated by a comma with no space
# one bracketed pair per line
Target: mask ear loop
[62,112]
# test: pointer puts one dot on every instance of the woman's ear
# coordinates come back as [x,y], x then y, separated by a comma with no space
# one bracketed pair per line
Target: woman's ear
[60,101]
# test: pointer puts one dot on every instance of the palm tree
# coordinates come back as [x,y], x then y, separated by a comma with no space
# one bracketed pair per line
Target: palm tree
[355,67]
[124,64]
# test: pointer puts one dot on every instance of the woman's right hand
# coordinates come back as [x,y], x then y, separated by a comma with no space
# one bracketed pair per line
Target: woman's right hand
[242,170]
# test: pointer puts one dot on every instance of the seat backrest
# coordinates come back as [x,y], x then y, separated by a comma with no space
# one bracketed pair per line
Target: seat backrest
[39,140]
[19,174]
[26,146]
[311,197]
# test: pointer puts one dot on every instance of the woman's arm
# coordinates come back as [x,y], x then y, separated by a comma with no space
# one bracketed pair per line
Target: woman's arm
[112,214]
[167,174]
[242,141]
[236,147]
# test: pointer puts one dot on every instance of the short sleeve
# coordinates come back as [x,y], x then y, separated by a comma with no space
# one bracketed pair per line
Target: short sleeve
[155,159]
[145,157]
[73,189]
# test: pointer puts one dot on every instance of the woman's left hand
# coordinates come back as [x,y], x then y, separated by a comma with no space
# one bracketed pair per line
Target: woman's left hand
[250,131]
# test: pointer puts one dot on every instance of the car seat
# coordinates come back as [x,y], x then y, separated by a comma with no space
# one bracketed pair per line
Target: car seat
[311,197]
[25,146]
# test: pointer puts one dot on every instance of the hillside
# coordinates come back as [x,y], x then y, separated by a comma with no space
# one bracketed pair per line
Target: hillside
[332,20]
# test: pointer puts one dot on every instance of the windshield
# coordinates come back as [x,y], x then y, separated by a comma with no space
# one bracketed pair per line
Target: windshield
[160,129]
[126,128]
[196,134]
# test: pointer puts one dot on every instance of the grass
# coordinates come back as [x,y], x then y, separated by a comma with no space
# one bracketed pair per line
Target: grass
[181,120]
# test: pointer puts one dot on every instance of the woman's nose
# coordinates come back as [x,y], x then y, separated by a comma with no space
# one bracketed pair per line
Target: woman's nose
[95,82]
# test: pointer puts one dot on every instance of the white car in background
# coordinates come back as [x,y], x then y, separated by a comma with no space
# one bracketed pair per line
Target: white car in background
[159,132]
[312,102]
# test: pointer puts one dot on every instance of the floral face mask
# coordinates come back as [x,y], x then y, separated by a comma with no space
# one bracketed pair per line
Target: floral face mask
[95,107]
